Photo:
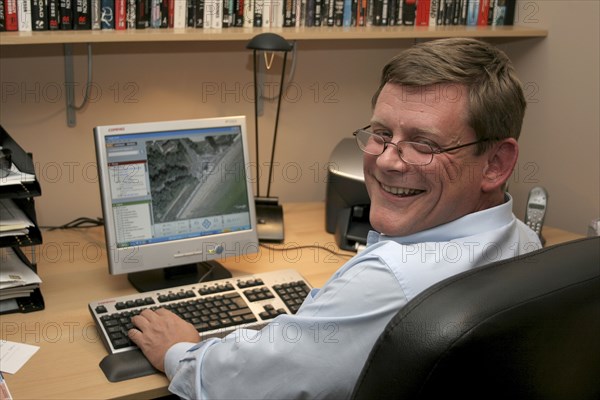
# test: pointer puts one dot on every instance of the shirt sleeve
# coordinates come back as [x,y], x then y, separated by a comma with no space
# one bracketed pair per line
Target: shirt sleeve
[316,353]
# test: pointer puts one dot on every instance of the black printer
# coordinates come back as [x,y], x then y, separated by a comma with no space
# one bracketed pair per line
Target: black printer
[347,202]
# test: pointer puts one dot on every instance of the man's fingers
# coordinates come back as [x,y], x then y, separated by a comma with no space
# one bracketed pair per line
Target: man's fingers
[140,322]
[134,334]
[145,318]
[163,311]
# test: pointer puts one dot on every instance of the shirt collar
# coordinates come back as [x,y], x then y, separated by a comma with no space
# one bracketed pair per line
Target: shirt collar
[468,225]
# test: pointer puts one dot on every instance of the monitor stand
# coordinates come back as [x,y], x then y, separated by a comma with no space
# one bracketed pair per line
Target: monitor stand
[187,274]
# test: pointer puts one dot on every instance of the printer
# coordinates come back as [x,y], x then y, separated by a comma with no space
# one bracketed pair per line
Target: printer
[347,201]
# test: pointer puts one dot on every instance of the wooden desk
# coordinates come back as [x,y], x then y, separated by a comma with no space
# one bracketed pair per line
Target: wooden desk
[555,236]
[74,271]
[73,267]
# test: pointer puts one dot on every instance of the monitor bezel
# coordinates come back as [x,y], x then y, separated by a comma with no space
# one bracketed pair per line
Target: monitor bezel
[181,252]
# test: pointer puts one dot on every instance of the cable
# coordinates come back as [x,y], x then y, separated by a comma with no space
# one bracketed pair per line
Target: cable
[85,222]
[86,95]
[81,222]
[311,246]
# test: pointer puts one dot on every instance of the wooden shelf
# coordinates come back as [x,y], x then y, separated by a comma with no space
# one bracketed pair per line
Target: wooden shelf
[244,34]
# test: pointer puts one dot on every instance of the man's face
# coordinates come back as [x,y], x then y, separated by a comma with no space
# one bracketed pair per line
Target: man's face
[405,198]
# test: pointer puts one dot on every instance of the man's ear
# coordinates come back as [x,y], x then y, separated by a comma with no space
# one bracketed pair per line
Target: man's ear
[501,161]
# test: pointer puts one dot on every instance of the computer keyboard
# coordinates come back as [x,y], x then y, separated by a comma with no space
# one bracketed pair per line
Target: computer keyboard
[215,308]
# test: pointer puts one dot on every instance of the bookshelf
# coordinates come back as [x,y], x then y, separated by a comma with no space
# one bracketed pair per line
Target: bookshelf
[321,33]
[244,34]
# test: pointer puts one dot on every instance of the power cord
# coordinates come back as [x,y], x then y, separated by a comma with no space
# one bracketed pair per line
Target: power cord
[86,222]
[81,222]
[312,246]
[86,95]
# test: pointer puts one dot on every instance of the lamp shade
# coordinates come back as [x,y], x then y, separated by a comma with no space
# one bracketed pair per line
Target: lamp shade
[269,42]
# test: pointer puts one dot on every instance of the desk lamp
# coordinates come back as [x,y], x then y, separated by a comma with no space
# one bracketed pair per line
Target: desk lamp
[269,213]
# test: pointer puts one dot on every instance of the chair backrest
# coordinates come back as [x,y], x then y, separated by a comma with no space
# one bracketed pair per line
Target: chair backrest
[526,327]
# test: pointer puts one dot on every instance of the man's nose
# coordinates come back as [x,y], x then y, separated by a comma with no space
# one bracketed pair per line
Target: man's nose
[390,158]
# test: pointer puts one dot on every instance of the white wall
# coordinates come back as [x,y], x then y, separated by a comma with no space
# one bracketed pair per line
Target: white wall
[329,98]
[560,146]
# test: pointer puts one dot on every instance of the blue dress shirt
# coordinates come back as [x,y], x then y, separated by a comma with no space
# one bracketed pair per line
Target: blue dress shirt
[320,351]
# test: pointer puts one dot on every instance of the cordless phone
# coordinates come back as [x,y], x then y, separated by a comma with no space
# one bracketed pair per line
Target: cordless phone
[536,210]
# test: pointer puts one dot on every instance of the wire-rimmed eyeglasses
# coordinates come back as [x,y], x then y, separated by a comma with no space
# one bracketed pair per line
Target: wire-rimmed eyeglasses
[414,153]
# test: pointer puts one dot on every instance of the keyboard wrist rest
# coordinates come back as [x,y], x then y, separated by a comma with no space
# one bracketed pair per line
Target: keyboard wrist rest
[127,365]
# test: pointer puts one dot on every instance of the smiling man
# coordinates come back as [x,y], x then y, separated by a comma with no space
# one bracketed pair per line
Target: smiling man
[440,146]
[419,169]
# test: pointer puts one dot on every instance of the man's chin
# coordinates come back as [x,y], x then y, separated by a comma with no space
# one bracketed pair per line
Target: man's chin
[391,227]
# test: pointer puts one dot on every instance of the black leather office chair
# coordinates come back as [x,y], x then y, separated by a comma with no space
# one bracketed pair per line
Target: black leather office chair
[523,328]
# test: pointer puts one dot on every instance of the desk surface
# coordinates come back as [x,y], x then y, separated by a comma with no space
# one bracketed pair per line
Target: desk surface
[74,271]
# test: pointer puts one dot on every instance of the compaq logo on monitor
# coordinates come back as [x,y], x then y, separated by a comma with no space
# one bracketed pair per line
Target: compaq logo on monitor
[116,129]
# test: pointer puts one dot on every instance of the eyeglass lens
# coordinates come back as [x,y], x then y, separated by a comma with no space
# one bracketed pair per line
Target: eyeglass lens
[409,152]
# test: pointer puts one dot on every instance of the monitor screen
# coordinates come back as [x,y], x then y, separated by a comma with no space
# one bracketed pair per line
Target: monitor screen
[176,197]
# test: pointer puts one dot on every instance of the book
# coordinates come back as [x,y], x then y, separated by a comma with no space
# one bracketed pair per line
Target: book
[277,13]
[142,16]
[190,13]
[361,13]
[24,15]
[328,11]
[179,11]
[11,22]
[266,13]
[409,10]
[484,9]
[393,12]
[433,11]
[131,14]
[155,13]
[289,13]
[423,9]
[228,13]
[472,12]
[120,15]
[503,12]
[509,11]
[65,13]
[2,16]
[462,18]
[318,13]
[347,14]
[449,12]
[399,11]
[217,14]
[107,20]
[301,12]
[338,12]
[81,15]
[257,13]
[248,13]
[53,14]
[39,15]
[96,13]
[199,13]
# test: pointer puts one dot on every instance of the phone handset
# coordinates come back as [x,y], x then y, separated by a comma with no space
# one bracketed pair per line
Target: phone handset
[536,210]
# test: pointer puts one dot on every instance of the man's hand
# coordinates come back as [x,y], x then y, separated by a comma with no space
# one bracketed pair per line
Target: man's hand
[157,331]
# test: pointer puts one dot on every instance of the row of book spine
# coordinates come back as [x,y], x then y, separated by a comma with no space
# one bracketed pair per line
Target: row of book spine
[40,15]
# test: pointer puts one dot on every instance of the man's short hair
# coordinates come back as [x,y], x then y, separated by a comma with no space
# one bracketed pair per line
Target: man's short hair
[496,103]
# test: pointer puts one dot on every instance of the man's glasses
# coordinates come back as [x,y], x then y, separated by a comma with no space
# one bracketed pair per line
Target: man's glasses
[413,153]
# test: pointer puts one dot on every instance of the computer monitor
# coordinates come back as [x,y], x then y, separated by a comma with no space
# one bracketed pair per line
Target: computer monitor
[176,197]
